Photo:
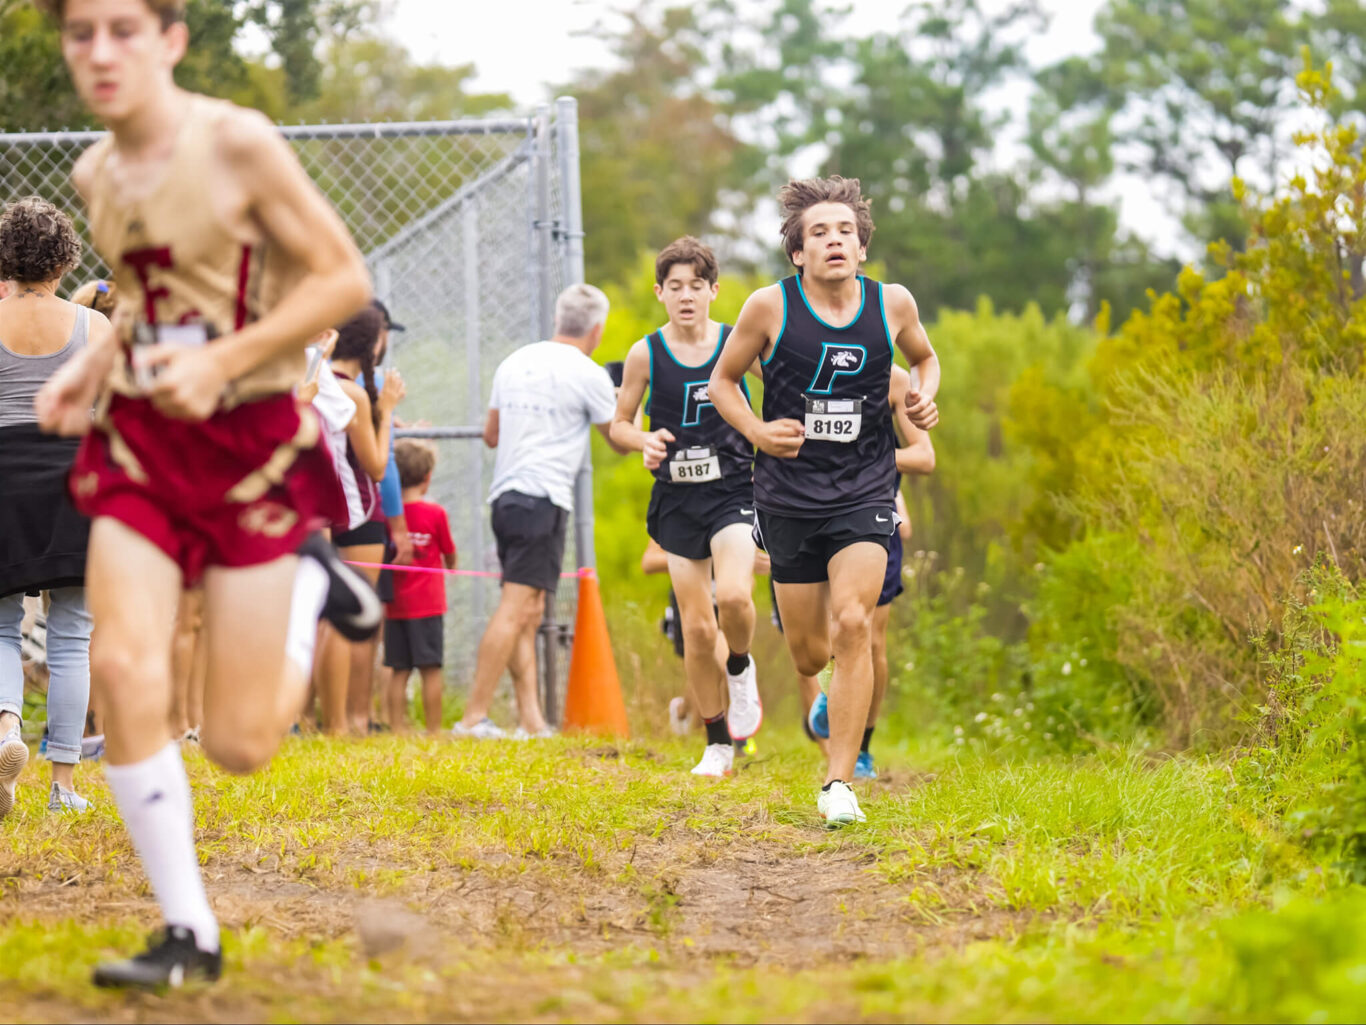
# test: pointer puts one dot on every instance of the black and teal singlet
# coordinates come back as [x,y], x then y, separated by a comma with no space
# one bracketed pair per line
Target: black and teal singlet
[835,381]
[705,448]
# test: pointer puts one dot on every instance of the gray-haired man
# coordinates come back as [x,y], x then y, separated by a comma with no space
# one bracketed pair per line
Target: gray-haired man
[543,399]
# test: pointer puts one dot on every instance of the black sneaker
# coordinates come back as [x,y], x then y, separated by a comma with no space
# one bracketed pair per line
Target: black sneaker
[163,965]
[352,605]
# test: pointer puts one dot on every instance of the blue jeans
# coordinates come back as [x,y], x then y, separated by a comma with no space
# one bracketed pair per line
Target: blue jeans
[68,664]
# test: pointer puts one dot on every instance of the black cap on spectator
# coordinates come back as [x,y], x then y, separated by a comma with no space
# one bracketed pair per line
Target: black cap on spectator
[388,320]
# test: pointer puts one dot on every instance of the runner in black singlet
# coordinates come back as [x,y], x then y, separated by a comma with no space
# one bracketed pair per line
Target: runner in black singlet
[826,464]
[702,506]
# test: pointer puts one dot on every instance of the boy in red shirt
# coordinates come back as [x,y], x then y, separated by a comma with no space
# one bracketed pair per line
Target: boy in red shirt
[414,632]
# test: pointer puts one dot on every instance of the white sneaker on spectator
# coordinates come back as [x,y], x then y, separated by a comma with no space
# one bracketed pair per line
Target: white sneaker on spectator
[13,758]
[61,799]
[520,733]
[717,760]
[746,712]
[484,729]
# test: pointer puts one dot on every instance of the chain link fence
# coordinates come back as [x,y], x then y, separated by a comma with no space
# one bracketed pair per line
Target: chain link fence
[470,229]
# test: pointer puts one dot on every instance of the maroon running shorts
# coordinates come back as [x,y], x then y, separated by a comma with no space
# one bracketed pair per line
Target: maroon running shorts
[241,488]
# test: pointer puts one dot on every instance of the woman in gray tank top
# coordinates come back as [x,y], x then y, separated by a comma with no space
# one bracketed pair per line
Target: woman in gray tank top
[42,537]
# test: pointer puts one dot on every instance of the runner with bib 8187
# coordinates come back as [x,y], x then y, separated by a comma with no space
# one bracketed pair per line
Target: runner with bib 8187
[826,464]
[702,506]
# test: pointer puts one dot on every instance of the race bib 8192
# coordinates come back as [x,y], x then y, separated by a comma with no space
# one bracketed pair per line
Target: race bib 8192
[833,419]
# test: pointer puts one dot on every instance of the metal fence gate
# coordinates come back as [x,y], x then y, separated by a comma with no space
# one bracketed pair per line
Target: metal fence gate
[470,229]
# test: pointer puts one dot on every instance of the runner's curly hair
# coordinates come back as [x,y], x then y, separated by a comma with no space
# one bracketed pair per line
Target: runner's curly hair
[37,242]
[797,197]
[169,11]
[357,339]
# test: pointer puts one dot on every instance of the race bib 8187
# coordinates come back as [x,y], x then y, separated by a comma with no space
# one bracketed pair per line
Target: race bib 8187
[695,465]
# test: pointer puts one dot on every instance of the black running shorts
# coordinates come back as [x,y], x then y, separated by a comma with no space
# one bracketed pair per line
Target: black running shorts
[529,531]
[800,549]
[891,583]
[414,643]
[683,518]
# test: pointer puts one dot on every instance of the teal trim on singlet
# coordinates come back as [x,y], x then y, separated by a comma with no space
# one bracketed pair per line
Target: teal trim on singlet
[720,341]
[882,305]
[863,298]
[650,393]
[781,331]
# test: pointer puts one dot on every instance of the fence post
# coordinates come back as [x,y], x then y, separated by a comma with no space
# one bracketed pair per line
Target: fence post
[469,230]
[545,226]
[548,635]
[567,125]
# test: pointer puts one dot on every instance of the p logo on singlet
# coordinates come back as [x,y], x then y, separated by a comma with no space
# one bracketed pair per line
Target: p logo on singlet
[838,359]
[695,397]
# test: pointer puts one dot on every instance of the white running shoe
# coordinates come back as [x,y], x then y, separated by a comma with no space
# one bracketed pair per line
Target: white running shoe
[484,729]
[838,805]
[521,733]
[13,758]
[717,760]
[746,712]
[678,716]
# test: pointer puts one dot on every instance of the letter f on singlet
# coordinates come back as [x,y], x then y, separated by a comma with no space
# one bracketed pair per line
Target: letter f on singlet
[695,397]
[838,359]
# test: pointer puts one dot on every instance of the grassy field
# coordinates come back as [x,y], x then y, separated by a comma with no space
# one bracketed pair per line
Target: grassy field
[399,879]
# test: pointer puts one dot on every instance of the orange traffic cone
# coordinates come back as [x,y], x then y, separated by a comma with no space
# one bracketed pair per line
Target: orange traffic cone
[594,703]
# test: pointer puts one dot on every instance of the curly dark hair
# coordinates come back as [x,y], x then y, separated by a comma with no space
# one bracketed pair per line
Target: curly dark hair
[37,242]
[797,197]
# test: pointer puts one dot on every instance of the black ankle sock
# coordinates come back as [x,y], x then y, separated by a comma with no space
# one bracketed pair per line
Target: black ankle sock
[716,730]
[737,664]
[867,739]
[832,783]
[806,727]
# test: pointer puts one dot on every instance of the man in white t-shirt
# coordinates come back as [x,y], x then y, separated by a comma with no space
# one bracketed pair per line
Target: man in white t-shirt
[544,397]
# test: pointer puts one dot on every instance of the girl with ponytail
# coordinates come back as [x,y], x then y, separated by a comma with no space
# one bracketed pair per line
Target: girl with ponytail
[341,665]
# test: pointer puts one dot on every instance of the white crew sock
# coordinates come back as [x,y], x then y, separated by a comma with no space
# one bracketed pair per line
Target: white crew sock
[305,608]
[154,799]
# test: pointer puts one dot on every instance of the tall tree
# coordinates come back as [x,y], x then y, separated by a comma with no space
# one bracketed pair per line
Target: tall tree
[916,128]
[1070,135]
[36,92]
[366,78]
[660,155]
[1207,85]
[1337,33]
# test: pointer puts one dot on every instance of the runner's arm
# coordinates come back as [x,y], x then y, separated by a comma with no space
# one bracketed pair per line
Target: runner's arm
[625,432]
[916,453]
[758,324]
[914,344]
[297,219]
[491,429]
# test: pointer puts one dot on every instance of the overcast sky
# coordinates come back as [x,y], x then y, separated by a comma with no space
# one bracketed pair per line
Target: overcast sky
[524,47]
[520,46]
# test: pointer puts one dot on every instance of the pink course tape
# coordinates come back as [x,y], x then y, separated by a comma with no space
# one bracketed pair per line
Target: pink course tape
[452,572]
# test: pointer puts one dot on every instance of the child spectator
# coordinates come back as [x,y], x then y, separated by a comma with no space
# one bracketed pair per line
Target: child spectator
[414,636]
